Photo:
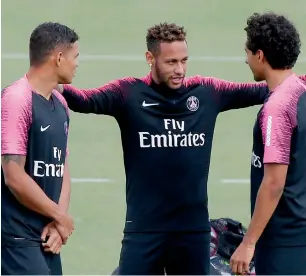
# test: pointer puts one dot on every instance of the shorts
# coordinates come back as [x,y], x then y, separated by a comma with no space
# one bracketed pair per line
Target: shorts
[280,260]
[173,253]
[29,261]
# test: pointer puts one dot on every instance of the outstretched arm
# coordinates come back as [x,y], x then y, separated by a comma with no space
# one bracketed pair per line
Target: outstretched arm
[107,99]
[235,95]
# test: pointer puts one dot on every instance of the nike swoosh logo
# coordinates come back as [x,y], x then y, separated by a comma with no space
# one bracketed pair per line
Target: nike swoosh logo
[144,104]
[42,129]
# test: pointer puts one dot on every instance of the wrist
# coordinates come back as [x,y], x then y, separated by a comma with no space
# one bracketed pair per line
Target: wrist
[63,206]
[249,241]
[57,213]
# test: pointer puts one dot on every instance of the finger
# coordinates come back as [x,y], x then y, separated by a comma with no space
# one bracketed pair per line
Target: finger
[240,268]
[44,233]
[63,233]
[64,240]
[58,248]
[234,267]
[51,240]
[232,262]
[246,268]
[54,246]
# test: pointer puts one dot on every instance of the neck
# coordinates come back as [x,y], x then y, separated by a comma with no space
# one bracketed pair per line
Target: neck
[161,87]
[276,77]
[40,80]
[154,77]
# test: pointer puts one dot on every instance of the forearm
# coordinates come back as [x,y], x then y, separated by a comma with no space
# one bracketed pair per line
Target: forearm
[234,95]
[29,194]
[84,100]
[267,200]
[107,100]
[66,190]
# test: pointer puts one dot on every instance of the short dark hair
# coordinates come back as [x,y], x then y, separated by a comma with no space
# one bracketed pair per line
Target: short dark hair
[276,36]
[48,36]
[164,32]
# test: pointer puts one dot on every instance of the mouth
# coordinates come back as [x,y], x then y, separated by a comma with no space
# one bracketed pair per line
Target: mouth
[177,80]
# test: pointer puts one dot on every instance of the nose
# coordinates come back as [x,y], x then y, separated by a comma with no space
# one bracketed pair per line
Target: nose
[179,69]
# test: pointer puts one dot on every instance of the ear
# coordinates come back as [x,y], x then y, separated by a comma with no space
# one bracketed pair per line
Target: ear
[149,58]
[59,58]
[260,56]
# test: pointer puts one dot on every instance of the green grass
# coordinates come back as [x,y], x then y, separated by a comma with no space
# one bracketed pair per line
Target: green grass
[215,28]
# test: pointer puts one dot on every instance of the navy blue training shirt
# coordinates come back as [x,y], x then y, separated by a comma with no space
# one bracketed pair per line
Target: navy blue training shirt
[279,137]
[167,139]
[37,128]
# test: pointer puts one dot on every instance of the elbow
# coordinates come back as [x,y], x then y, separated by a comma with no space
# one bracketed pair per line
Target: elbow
[275,188]
[9,180]
[12,182]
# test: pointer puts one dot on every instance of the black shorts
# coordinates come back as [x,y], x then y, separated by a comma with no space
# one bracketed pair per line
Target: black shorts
[280,260]
[160,253]
[29,261]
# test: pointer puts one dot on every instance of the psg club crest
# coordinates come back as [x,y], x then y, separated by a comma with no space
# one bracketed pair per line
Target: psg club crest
[193,103]
[66,128]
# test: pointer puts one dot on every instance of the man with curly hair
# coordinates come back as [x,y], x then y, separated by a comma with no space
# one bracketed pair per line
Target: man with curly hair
[277,232]
[167,124]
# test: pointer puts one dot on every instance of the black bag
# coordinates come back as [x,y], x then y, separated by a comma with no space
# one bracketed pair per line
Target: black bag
[226,236]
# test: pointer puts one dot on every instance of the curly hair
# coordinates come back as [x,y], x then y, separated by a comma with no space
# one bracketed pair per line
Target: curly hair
[164,32]
[276,36]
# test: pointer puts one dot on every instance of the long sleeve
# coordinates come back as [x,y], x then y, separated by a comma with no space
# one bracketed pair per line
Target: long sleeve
[235,95]
[107,99]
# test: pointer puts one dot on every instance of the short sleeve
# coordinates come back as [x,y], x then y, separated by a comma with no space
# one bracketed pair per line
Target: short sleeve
[277,128]
[16,118]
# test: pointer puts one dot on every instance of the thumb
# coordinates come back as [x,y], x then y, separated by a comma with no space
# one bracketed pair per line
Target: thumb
[44,233]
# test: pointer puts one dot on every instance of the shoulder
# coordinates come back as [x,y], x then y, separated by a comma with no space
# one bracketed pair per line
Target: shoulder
[121,86]
[285,97]
[280,107]
[19,89]
[277,103]
[198,80]
[17,95]
[124,82]
[209,82]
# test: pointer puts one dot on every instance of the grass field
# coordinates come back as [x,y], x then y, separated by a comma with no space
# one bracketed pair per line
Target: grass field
[113,32]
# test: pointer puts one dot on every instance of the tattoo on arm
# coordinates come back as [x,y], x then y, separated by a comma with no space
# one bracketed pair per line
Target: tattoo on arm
[19,159]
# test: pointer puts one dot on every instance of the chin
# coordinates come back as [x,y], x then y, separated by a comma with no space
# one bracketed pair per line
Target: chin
[175,86]
[65,81]
[257,78]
